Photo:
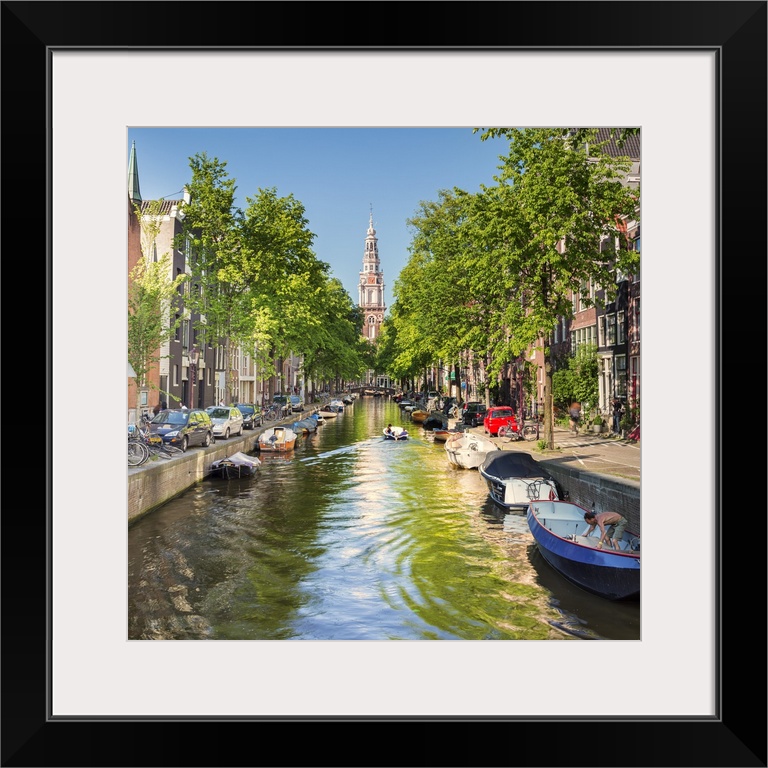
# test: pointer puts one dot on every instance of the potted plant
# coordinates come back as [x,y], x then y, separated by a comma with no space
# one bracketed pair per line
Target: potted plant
[597,424]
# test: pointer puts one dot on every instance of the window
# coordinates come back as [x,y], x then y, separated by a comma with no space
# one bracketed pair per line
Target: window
[601,330]
[582,336]
[583,294]
[636,247]
[621,331]
[611,330]
[621,375]
[635,315]
[175,375]
[177,334]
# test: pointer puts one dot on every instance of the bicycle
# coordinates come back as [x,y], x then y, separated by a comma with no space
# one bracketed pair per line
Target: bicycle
[515,431]
[138,453]
[155,445]
[271,413]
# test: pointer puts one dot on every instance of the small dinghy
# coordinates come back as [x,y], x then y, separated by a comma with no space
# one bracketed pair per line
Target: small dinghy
[515,478]
[277,439]
[468,450]
[395,433]
[235,466]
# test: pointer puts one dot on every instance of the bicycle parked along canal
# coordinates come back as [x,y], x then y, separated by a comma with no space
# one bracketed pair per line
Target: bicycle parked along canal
[143,445]
[514,430]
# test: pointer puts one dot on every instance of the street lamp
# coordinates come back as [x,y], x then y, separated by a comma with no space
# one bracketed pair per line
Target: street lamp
[194,357]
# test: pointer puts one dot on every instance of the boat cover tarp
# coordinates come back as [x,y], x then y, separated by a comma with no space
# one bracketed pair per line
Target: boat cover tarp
[503,464]
[238,459]
[434,422]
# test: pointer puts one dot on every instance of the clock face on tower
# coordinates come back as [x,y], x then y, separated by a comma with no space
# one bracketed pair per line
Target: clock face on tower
[371,279]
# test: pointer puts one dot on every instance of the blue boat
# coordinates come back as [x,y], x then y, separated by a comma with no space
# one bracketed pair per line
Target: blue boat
[558,528]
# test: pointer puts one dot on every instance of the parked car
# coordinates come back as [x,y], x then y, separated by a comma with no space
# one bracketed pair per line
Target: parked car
[297,404]
[183,427]
[473,414]
[252,417]
[498,416]
[227,420]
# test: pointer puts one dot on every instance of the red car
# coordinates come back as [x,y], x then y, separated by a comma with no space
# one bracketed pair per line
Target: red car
[498,416]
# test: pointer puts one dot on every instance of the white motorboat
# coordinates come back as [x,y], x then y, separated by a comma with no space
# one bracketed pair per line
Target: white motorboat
[468,450]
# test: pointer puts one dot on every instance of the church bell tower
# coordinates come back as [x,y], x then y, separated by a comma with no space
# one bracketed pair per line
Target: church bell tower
[371,288]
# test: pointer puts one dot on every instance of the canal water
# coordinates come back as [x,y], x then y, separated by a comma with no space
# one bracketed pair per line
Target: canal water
[353,537]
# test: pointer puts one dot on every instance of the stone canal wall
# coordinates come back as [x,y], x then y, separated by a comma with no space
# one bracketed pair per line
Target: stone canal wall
[153,484]
[607,492]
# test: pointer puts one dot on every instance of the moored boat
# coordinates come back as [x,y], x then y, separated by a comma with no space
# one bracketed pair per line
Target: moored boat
[304,426]
[419,415]
[277,439]
[515,478]
[435,421]
[558,528]
[468,450]
[235,466]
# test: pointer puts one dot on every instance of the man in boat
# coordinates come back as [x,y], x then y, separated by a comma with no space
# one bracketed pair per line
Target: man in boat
[613,532]
[388,430]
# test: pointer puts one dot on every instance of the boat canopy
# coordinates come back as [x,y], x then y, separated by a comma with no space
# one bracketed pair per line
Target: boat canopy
[513,464]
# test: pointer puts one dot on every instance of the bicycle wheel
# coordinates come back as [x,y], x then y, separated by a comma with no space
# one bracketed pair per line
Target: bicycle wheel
[172,450]
[503,431]
[531,432]
[137,453]
[158,451]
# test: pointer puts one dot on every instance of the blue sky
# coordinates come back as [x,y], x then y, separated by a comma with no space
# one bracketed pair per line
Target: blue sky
[339,174]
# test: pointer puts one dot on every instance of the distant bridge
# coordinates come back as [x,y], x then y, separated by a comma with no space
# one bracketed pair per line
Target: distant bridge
[373,391]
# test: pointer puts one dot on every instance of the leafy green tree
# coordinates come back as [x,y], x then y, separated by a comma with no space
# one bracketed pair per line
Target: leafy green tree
[335,350]
[579,381]
[287,284]
[555,202]
[152,293]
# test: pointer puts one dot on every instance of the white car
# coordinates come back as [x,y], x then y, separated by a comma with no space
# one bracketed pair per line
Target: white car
[227,420]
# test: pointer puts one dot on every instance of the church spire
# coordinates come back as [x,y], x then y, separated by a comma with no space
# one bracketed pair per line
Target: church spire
[371,286]
[133,177]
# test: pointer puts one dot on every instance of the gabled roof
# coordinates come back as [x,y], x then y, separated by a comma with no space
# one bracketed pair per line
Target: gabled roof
[631,147]
[166,206]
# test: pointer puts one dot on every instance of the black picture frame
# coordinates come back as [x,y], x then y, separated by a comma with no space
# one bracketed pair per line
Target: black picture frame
[737,735]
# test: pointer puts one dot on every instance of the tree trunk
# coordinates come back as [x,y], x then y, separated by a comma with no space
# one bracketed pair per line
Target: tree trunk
[549,415]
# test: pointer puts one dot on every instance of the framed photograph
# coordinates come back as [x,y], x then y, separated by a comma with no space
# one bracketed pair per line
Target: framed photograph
[692,76]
